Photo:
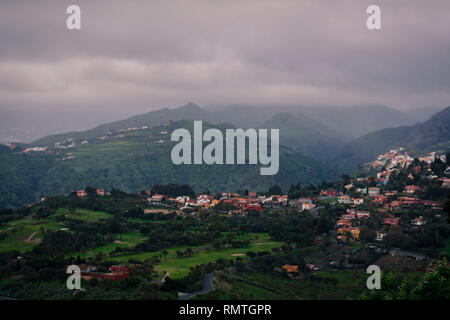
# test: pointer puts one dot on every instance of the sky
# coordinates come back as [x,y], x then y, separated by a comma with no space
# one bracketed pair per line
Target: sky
[132,57]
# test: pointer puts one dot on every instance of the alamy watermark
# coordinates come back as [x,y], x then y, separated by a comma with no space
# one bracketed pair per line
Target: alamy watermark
[373,281]
[74,280]
[213,153]
[73,21]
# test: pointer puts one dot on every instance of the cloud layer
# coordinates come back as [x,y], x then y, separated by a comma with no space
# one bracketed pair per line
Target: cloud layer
[135,56]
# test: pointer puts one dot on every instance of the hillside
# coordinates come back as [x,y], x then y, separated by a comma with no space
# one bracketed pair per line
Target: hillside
[134,160]
[357,121]
[349,122]
[431,134]
[306,135]
[329,126]
[189,111]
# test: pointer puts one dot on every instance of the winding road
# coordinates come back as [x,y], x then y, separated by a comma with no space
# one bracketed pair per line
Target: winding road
[207,287]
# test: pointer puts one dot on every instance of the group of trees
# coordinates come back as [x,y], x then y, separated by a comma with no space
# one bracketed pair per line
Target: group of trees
[173,190]
[434,285]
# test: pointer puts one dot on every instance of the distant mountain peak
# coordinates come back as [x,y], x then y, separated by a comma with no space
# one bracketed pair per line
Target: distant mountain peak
[190,106]
[443,114]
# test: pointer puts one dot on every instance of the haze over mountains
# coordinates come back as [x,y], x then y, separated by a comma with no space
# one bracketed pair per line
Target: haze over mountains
[322,133]
[17,125]
[317,132]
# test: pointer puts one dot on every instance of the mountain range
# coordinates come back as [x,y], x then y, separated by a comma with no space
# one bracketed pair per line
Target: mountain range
[133,154]
[317,132]
[350,122]
[20,125]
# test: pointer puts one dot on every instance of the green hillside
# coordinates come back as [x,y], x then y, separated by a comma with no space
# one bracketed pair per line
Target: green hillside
[135,160]
[433,134]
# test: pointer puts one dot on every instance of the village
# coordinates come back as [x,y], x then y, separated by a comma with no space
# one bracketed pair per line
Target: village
[366,209]
[391,214]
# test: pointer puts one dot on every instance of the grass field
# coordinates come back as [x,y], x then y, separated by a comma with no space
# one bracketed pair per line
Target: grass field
[24,234]
[179,267]
[19,232]
[125,240]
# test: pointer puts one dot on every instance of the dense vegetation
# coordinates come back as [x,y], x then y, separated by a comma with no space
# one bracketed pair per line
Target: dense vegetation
[133,161]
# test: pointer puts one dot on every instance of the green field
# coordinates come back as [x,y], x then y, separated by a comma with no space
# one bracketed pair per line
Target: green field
[19,232]
[24,234]
[180,267]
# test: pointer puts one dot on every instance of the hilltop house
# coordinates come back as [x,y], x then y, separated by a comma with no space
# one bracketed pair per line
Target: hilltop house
[307,206]
[362,214]
[156,198]
[418,221]
[380,236]
[391,221]
[412,189]
[81,193]
[328,193]
[344,200]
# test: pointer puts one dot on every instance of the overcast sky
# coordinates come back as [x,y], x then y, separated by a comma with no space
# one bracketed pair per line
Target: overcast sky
[135,56]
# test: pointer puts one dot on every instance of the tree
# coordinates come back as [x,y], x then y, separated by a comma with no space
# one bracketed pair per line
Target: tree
[435,285]
[438,167]
[165,253]
[346,179]
[367,234]
[447,209]
[91,191]
[189,252]
[276,189]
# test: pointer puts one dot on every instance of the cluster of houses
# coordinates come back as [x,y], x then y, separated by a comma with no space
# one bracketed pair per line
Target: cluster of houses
[348,224]
[398,159]
[386,204]
[83,193]
[71,143]
[237,203]
[35,149]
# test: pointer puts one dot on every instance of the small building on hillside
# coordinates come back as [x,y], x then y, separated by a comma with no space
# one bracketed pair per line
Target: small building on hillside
[391,221]
[290,268]
[412,189]
[81,193]
[374,191]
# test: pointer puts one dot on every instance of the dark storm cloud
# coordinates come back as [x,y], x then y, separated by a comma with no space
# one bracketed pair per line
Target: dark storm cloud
[131,56]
